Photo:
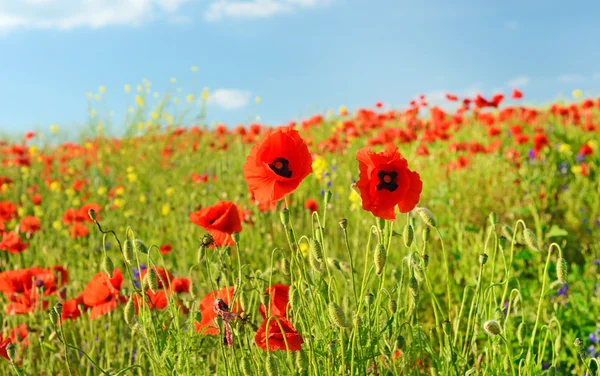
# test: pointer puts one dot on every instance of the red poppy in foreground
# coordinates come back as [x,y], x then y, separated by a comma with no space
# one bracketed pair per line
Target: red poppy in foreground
[102,293]
[277,165]
[220,220]
[386,181]
[207,326]
[276,336]
[279,296]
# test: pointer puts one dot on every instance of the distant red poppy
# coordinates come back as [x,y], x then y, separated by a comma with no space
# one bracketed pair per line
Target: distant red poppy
[516,94]
[585,150]
[70,309]
[165,249]
[422,150]
[276,336]
[207,303]
[540,140]
[279,299]
[11,242]
[277,165]
[20,334]
[311,205]
[78,230]
[220,220]
[8,211]
[451,97]
[385,181]
[102,293]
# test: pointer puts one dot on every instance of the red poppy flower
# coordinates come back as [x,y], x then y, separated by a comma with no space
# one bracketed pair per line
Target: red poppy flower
[19,334]
[516,94]
[78,230]
[386,181]
[276,336]
[20,281]
[29,301]
[279,296]
[102,293]
[277,165]
[311,205]
[3,343]
[11,242]
[540,140]
[220,220]
[8,211]
[70,309]
[207,309]
[585,150]
[30,225]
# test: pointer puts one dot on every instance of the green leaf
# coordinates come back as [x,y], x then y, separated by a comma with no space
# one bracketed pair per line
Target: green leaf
[556,231]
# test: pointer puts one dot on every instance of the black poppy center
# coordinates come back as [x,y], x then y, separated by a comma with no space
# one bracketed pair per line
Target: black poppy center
[281,167]
[387,180]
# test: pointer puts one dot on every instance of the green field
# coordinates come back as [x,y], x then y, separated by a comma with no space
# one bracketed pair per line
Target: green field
[328,256]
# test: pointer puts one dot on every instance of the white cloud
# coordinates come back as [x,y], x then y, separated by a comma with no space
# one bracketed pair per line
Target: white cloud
[221,9]
[229,99]
[570,78]
[70,14]
[511,25]
[518,82]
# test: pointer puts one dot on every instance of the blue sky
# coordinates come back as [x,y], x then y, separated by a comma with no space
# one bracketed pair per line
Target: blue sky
[299,56]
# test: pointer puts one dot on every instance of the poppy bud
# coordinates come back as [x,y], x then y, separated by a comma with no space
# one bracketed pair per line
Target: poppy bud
[140,246]
[530,240]
[561,270]
[284,215]
[128,251]
[483,259]
[107,265]
[498,315]
[246,368]
[53,316]
[129,311]
[334,263]
[369,299]
[425,234]
[400,342]
[236,237]
[294,297]
[201,252]
[427,216]
[419,273]
[379,258]
[327,197]
[507,232]
[558,344]
[408,235]
[426,260]
[492,327]
[151,280]
[492,218]
[413,286]
[315,249]
[521,332]
[92,214]
[315,264]
[292,237]
[58,308]
[336,314]
[392,305]
[11,351]
[301,361]
[285,266]
[343,223]
[272,365]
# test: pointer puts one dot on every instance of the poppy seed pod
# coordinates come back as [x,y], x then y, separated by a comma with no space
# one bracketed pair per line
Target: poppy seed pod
[53,316]
[369,299]
[427,216]
[521,332]
[419,273]
[343,223]
[492,327]
[483,259]
[327,197]
[58,308]
[285,266]
[561,270]
[107,265]
[408,235]
[337,316]
[392,305]
[314,263]
[379,258]
[530,240]
[92,214]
